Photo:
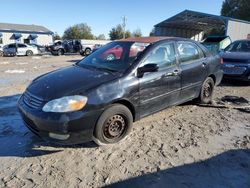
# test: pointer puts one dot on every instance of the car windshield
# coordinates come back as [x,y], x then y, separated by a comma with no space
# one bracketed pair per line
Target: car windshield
[240,46]
[115,56]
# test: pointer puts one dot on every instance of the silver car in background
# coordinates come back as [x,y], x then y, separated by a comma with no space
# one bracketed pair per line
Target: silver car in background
[20,49]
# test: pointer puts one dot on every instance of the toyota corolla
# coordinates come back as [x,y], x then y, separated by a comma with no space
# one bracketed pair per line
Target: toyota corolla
[100,97]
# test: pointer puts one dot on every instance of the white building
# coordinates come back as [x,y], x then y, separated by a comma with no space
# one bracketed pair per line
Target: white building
[12,33]
[191,24]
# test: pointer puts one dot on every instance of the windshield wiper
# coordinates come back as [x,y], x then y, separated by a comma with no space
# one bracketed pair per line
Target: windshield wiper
[107,69]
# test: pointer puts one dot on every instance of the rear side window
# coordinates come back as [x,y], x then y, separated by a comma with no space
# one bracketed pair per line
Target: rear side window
[188,52]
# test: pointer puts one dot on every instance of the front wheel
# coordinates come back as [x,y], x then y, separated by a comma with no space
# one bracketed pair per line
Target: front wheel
[1,53]
[60,52]
[114,125]
[206,93]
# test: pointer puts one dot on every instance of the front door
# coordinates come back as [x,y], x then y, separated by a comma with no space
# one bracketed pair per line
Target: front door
[161,88]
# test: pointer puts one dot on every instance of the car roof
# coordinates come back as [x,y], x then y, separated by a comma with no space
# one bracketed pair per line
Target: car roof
[145,39]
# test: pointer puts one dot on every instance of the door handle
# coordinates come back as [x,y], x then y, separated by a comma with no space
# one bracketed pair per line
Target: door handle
[174,73]
[204,64]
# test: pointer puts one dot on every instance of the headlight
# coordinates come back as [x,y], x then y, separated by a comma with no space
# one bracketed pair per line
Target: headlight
[66,104]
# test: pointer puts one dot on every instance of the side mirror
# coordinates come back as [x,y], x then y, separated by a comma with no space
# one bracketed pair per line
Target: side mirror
[147,68]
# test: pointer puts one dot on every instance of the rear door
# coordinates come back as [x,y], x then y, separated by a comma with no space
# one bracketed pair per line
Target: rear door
[193,65]
[162,88]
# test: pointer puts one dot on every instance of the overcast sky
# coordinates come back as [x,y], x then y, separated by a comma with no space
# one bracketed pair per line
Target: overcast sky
[101,15]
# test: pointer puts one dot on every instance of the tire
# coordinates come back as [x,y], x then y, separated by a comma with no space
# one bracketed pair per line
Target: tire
[82,53]
[29,53]
[87,51]
[206,93]
[60,52]
[1,53]
[114,125]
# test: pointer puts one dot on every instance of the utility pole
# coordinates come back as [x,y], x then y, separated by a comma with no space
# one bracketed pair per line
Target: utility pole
[124,20]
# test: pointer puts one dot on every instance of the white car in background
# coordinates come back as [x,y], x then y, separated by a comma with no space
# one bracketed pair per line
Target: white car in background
[20,49]
[1,51]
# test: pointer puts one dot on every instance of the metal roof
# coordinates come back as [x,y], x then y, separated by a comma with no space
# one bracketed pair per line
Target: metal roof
[24,28]
[196,20]
[145,39]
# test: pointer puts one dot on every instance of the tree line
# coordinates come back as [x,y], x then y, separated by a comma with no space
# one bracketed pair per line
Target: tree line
[84,31]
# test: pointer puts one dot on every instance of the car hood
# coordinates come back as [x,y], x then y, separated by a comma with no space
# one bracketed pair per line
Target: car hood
[236,55]
[68,81]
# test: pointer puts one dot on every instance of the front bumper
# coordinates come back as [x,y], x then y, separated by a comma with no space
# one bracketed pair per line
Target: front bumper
[77,127]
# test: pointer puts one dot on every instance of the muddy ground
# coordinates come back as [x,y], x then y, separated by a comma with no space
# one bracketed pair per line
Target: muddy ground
[183,146]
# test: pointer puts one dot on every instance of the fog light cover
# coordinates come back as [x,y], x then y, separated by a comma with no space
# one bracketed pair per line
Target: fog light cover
[59,136]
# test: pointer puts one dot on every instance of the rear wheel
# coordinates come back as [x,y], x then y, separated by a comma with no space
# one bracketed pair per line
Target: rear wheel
[207,89]
[29,53]
[114,125]
[87,51]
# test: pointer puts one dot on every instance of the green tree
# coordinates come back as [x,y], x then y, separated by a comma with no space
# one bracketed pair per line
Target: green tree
[116,33]
[56,36]
[239,9]
[137,33]
[78,31]
[101,37]
[128,34]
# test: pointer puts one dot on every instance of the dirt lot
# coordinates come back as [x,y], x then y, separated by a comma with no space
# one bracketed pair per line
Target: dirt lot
[183,146]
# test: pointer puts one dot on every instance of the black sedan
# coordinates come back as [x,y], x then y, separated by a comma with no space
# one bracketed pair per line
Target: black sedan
[236,59]
[101,96]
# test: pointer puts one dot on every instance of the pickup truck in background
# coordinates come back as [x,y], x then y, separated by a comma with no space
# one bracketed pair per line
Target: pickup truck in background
[88,46]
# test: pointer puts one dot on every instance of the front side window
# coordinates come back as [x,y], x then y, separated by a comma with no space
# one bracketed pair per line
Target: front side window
[163,55]
[188,52]
[115,56]
[1,40]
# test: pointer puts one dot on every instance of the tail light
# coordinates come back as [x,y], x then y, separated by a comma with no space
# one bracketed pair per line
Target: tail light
[221,61]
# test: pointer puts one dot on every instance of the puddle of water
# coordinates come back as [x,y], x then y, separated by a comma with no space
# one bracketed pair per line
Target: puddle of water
[235,100]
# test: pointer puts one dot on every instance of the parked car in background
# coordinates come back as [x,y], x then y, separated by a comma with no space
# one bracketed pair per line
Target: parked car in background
[41,49]
[1,51]
[67,46]
[99,98]
[236,58]
[216,43]
[20,49]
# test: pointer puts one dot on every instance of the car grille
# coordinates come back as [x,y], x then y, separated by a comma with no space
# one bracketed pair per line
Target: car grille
[32,101]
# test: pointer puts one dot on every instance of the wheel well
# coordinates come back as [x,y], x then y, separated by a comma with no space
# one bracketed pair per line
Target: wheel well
[213,77]
[129,105]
